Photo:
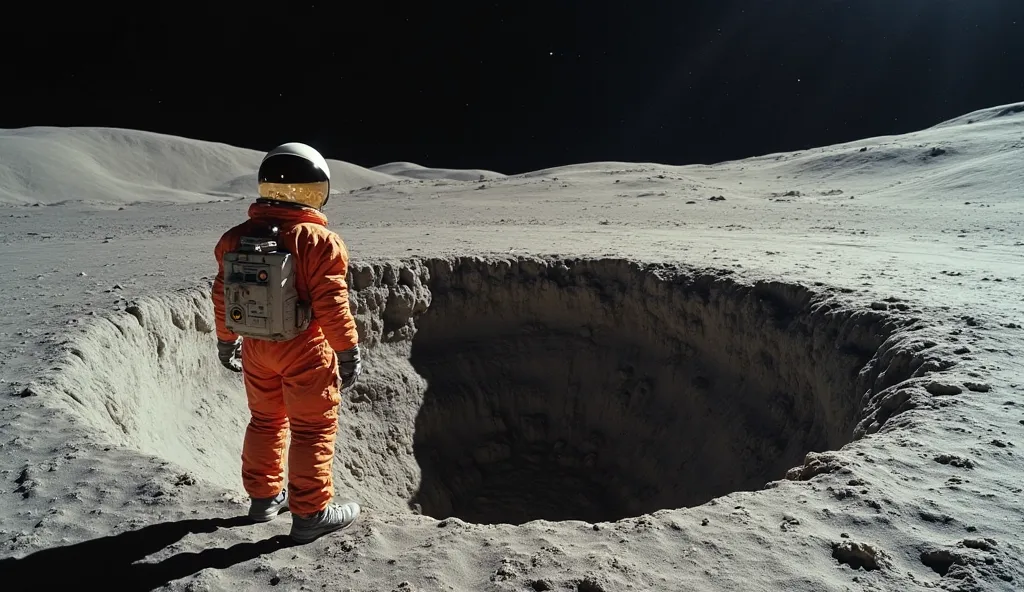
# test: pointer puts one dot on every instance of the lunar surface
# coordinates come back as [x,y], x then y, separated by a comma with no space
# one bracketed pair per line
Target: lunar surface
[800,371]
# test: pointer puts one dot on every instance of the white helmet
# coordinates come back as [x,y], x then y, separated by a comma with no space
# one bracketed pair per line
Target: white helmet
[295,173]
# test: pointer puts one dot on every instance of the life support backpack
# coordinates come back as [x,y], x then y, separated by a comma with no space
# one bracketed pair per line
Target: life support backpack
[260,298]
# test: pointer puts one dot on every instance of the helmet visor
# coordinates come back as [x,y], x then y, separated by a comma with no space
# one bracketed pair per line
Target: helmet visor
[313,194]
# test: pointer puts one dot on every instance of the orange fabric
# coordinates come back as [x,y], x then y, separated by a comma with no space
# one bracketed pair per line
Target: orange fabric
[290,390]
[291,385]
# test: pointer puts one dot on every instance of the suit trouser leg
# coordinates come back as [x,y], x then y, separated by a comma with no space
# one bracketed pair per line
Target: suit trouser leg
[311,397]
[266,436]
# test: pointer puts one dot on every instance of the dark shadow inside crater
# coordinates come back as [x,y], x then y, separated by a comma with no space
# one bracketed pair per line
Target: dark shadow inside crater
[598,390]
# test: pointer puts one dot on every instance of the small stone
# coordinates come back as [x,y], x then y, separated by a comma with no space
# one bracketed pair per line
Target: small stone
[956,461]
[940,389]
[980,544]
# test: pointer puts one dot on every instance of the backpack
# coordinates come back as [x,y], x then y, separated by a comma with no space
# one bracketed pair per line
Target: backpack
[260,297]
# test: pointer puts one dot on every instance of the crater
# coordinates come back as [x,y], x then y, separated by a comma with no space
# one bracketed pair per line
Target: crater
[506,390]
[598,390]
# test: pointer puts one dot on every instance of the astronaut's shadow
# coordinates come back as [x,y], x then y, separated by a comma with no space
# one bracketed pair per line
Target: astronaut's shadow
[115,562]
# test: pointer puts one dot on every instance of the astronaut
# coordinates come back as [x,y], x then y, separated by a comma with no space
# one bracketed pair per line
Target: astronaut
[283,320]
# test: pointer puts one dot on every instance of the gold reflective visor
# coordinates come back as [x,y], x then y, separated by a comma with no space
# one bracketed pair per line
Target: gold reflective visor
[313,195]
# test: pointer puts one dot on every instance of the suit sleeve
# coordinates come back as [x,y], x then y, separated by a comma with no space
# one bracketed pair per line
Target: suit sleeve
[326,262]
[218,291]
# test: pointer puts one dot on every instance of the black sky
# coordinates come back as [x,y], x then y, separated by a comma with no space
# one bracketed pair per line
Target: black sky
[516,86]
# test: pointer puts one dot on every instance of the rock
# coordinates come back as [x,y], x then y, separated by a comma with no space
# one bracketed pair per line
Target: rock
[956,461]
[940,389]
